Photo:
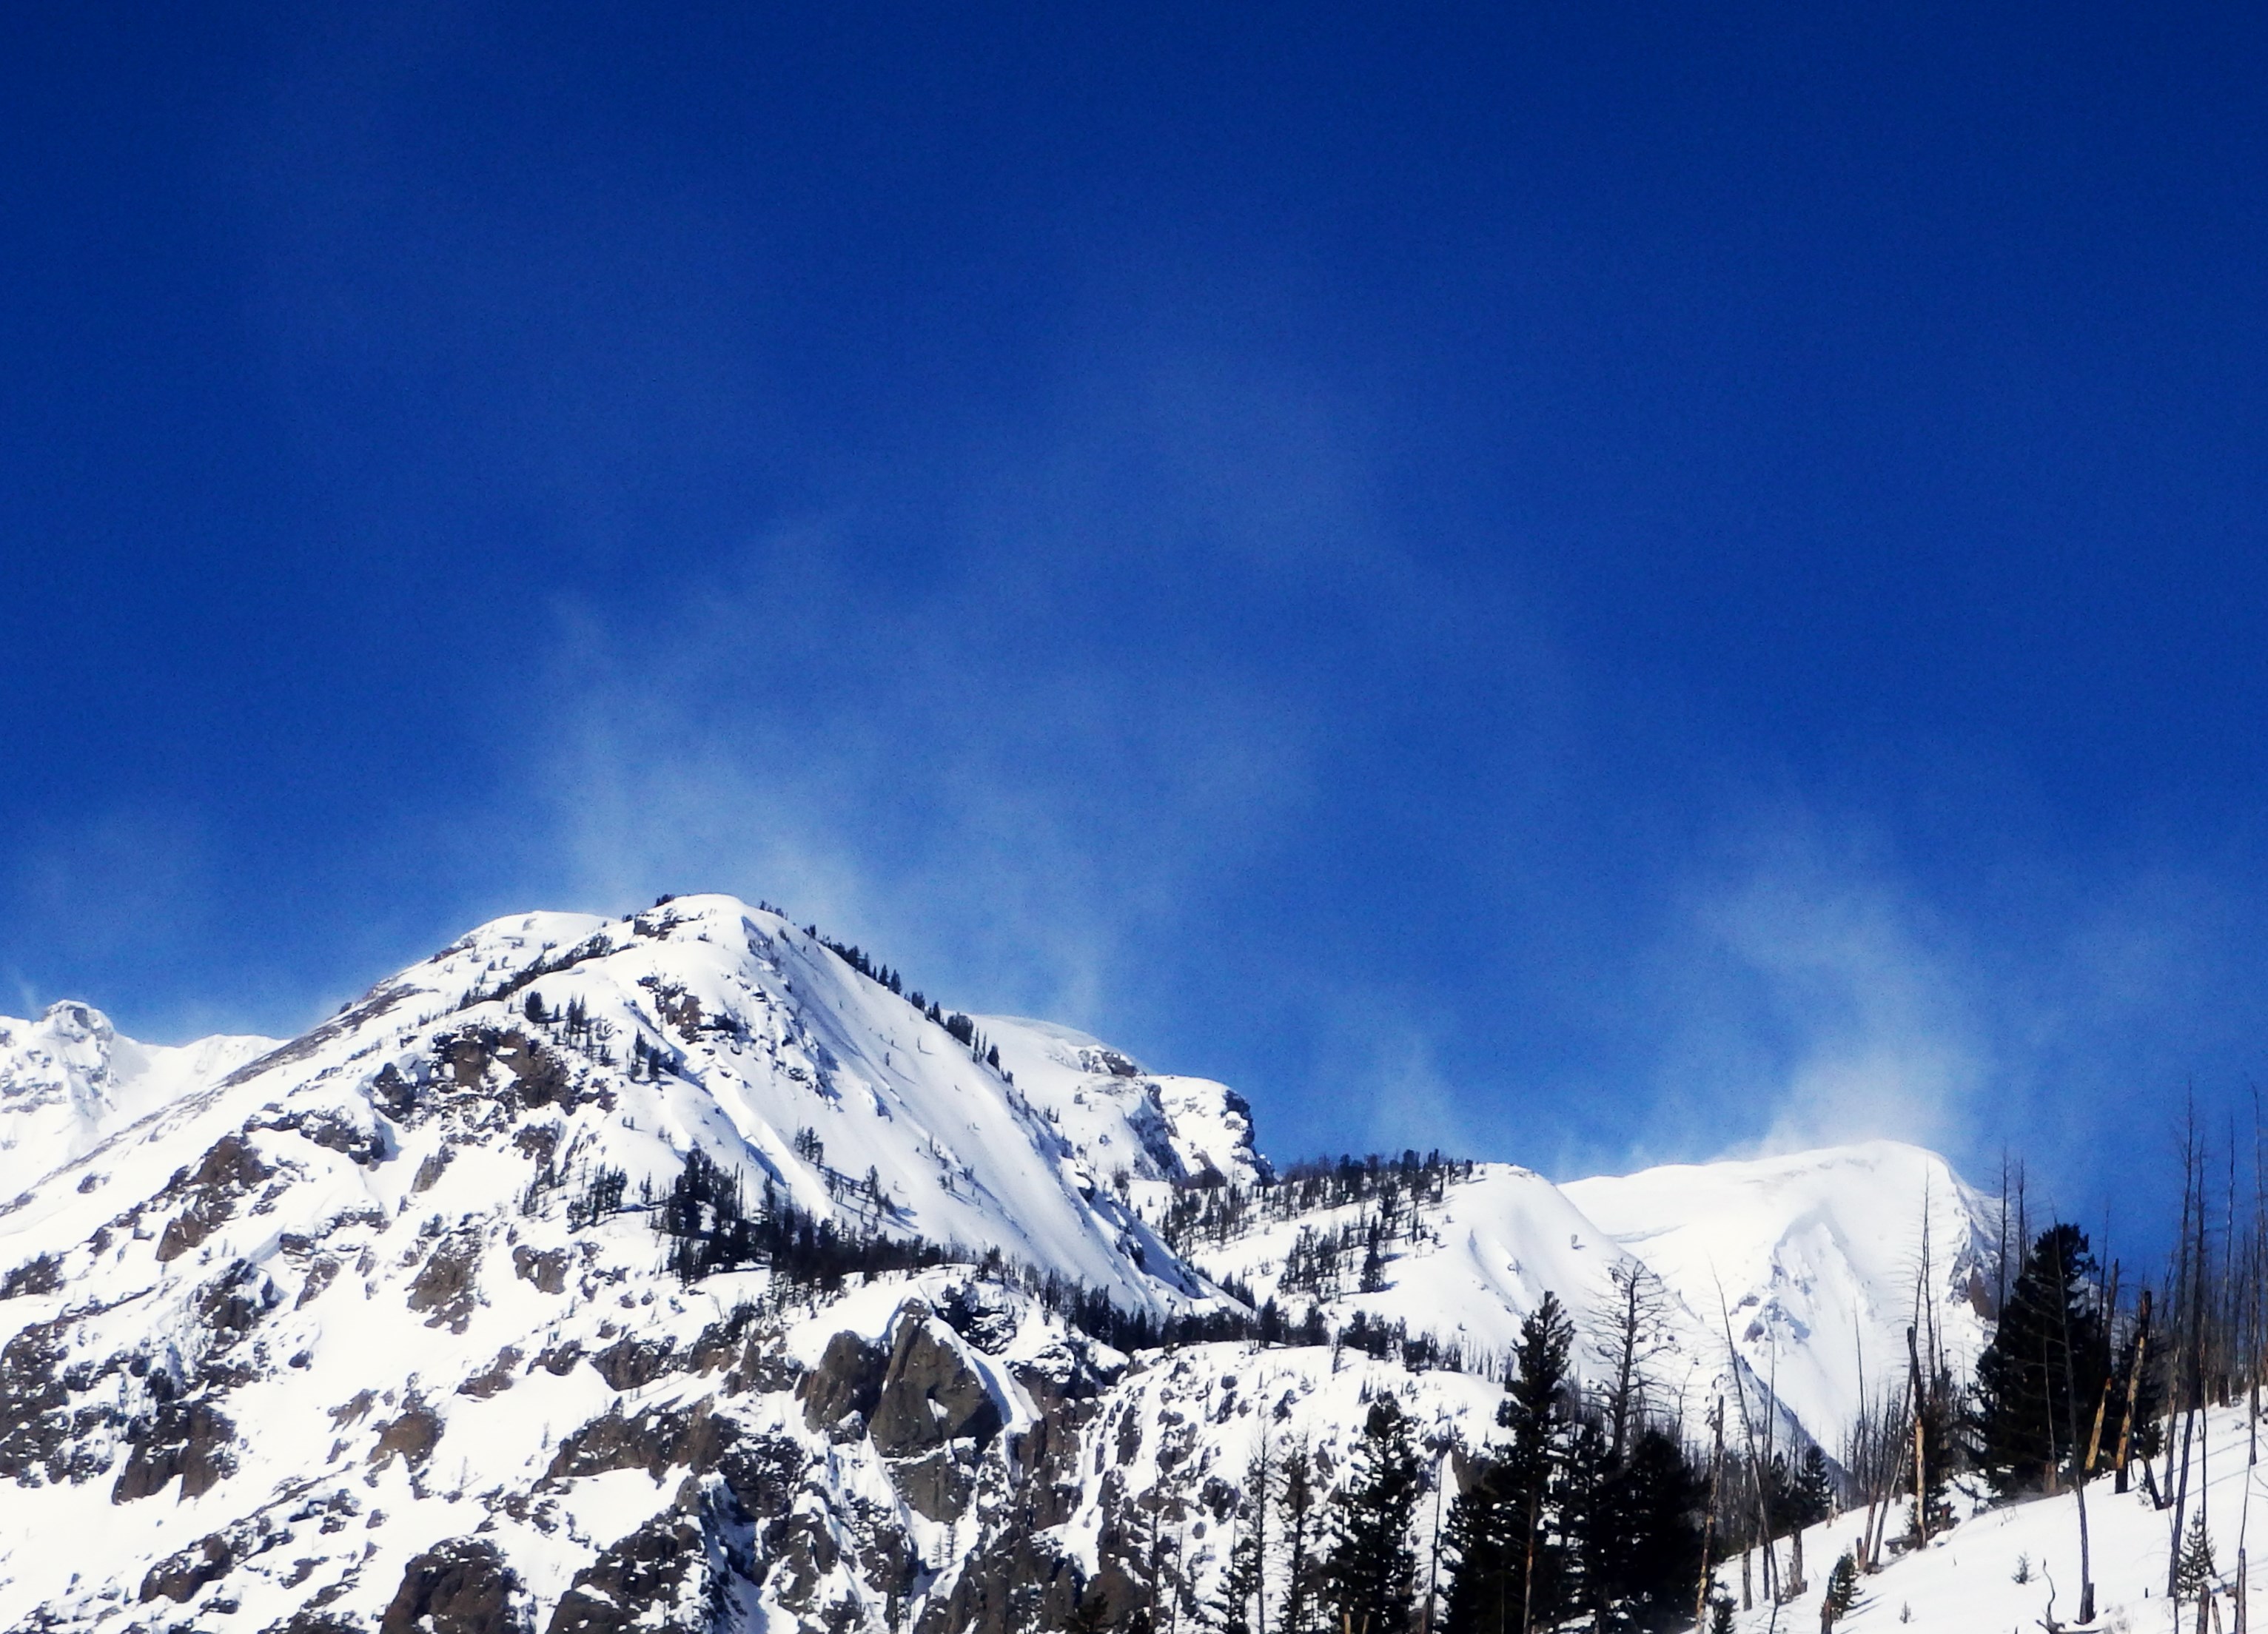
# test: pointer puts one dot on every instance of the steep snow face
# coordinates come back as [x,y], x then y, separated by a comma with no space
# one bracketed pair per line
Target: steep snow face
[1817,1262]
[68,1078]
[703,1023]
[1124,1122]
[1470,1268]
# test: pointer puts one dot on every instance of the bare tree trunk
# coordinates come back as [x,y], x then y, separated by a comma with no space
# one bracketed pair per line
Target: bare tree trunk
[2192,1192]
[1749,1428]
[1709,1516]
[2071,1405]
[1626,1362]
[1433,1573]
[1263,1480]
[1921,1473]
[2103,1407]
[2133,1385]
[1528,1573]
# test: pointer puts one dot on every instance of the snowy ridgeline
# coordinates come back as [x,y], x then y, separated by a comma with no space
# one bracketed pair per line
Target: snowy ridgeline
[672,1268]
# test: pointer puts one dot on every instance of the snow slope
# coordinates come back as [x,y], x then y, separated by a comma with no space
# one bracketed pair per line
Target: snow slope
[1816,1262]
[1966,1579]
[68,1078]
[382,1240]
[1159,1129]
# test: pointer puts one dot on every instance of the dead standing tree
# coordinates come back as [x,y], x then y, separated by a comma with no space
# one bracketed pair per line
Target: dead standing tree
[1638,1332]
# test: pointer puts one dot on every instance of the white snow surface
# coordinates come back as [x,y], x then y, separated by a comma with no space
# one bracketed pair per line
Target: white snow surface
[1153,1127]
[1965,1580]
[286,1318]
[68,1078]
[1815,1261]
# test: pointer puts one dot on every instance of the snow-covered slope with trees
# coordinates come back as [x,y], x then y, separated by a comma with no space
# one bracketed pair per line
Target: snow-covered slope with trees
[683,1270]
[2017,1567]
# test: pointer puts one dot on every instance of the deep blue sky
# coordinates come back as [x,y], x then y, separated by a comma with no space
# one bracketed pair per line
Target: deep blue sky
[1585,585]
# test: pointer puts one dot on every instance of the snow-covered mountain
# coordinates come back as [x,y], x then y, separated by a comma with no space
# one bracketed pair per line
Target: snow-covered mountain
[372,1330]
[1815,1264]
[68,1078]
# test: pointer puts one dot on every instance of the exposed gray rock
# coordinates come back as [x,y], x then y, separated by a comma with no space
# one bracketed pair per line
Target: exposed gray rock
[460,1586]
[929,1394]
[848,1381]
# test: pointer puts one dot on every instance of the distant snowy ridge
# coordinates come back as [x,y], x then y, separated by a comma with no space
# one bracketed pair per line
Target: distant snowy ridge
[1817,1262]
[68,1078]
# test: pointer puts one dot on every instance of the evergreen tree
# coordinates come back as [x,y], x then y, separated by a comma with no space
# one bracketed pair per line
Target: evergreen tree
[2028,1402]
[1373,1265]
[1635,1526]
[1297,1518]
[1244,1582]
[1484,1531]
[1239,1582]
[1372,1576]
[1842,1593]
[1508,1530]
[1721,1615]
[1652,1503]
[1591,1519]
[1940,1435]
[1813,1490]
[2194,1572]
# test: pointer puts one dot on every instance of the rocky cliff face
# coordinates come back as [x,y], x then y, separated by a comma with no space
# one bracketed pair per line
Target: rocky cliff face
[668,1273]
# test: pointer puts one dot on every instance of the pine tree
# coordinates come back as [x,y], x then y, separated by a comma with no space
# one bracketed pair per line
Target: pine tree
[1590,1519]
[1297,1506]
[1373,1571]
[1635,1526]
[2195,1572]
[1539,1416]
[1373,1265]
[1239,1582]
[1653,1504]
[1244,1582]
[2028,1401]
[1508,1530]
[1842,1593]
[1813,1492]
[1485,1532]
[1721,1615]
